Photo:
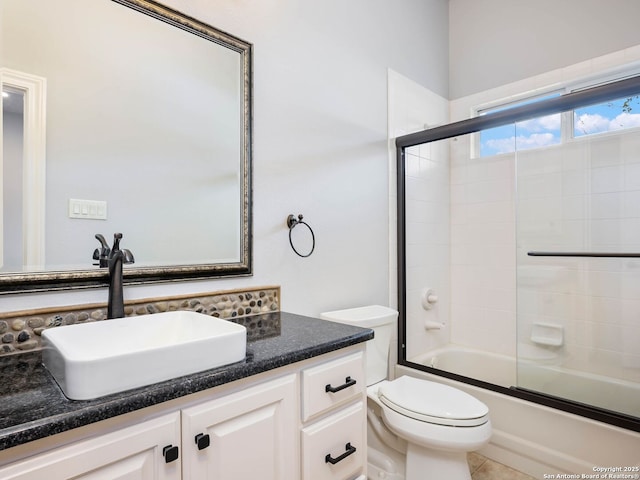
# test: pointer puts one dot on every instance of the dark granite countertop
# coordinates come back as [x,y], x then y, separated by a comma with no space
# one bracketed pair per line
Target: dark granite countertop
[32,406]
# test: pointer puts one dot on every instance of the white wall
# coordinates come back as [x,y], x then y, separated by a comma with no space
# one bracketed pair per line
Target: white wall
[495,42]
[320,144]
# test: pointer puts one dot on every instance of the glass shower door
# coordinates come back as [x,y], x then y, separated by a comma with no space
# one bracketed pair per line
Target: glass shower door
[578,271]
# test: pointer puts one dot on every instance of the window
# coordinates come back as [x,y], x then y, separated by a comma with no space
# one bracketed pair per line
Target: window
[553,129]
[534,133]
[606,117]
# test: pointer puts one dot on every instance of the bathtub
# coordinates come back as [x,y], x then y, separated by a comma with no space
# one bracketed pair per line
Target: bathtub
[485,366]
[530,437]
[541,376]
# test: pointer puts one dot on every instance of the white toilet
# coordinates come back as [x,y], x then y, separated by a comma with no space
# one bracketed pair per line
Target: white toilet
[417,429]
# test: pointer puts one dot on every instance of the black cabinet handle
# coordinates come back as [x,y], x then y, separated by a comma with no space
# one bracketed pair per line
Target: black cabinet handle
[347,383]
[170,453]
[202,441]
[349,450]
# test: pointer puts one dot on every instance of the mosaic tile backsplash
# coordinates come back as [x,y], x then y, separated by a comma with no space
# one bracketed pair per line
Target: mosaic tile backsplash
[21,331]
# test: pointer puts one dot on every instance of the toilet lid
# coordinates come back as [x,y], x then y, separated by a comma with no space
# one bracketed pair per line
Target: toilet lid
[433,402]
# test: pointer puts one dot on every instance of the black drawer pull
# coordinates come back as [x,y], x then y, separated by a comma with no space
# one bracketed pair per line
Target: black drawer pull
[170,453]
[203,441]
[348,382]
[349,450]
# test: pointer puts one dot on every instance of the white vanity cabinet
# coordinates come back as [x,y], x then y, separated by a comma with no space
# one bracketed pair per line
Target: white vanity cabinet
[334,435]
[249,434]
[304,421]
[132,453]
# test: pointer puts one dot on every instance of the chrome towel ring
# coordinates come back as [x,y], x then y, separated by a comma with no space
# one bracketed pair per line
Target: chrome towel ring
[292,222]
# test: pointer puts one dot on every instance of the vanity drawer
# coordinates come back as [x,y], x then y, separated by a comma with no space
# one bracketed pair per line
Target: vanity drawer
[335,448]
[332,384]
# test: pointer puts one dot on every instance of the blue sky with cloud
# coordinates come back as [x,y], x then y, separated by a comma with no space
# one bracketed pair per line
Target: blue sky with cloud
[606,117]
[545,131]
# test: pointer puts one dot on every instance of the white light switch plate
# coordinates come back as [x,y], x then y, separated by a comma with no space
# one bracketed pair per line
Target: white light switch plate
[89,209]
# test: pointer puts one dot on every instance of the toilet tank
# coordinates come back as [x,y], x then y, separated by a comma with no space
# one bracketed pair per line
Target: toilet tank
[383,322]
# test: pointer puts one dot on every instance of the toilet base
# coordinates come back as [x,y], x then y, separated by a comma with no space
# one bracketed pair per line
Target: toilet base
[382,466]
[426,464]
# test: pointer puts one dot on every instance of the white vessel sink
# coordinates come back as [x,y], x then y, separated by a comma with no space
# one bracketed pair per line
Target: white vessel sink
[100,358]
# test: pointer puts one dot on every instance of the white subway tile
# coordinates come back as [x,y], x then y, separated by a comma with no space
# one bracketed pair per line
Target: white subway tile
[459,213]
[605,151]
[630,311]
[605,232]
[604,284]
[630,232]
[632,176]
[630,148]
[608,205]
[440,150]
[501,168]
[607,179]
[575,182]
[576,156]
[631,204]
[419,210]
[574,207]
[458,174]
[605,264]
[477,171]
[630,287]
[535,186]
[605,309]
[538,210]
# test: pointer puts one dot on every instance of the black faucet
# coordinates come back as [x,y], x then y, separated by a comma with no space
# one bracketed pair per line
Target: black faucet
[113,258]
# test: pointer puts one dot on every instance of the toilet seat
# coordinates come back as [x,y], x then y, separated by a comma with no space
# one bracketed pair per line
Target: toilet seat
[432,402]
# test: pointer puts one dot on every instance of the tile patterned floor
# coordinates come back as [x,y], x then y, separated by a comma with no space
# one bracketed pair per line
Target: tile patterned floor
[482,468]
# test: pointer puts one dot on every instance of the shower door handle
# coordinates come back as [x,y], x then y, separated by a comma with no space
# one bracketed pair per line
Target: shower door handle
[584,254]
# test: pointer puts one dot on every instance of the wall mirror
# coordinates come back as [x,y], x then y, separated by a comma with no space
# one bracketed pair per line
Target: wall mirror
[121,116]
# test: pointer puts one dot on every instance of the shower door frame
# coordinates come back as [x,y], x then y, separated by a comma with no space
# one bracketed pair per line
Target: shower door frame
[599,94]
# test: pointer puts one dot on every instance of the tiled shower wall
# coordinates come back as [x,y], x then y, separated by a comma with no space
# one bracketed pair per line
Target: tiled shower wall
[479,299]
[483,287]
[413,108]
[427,245]
[583,196]
[580,196]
